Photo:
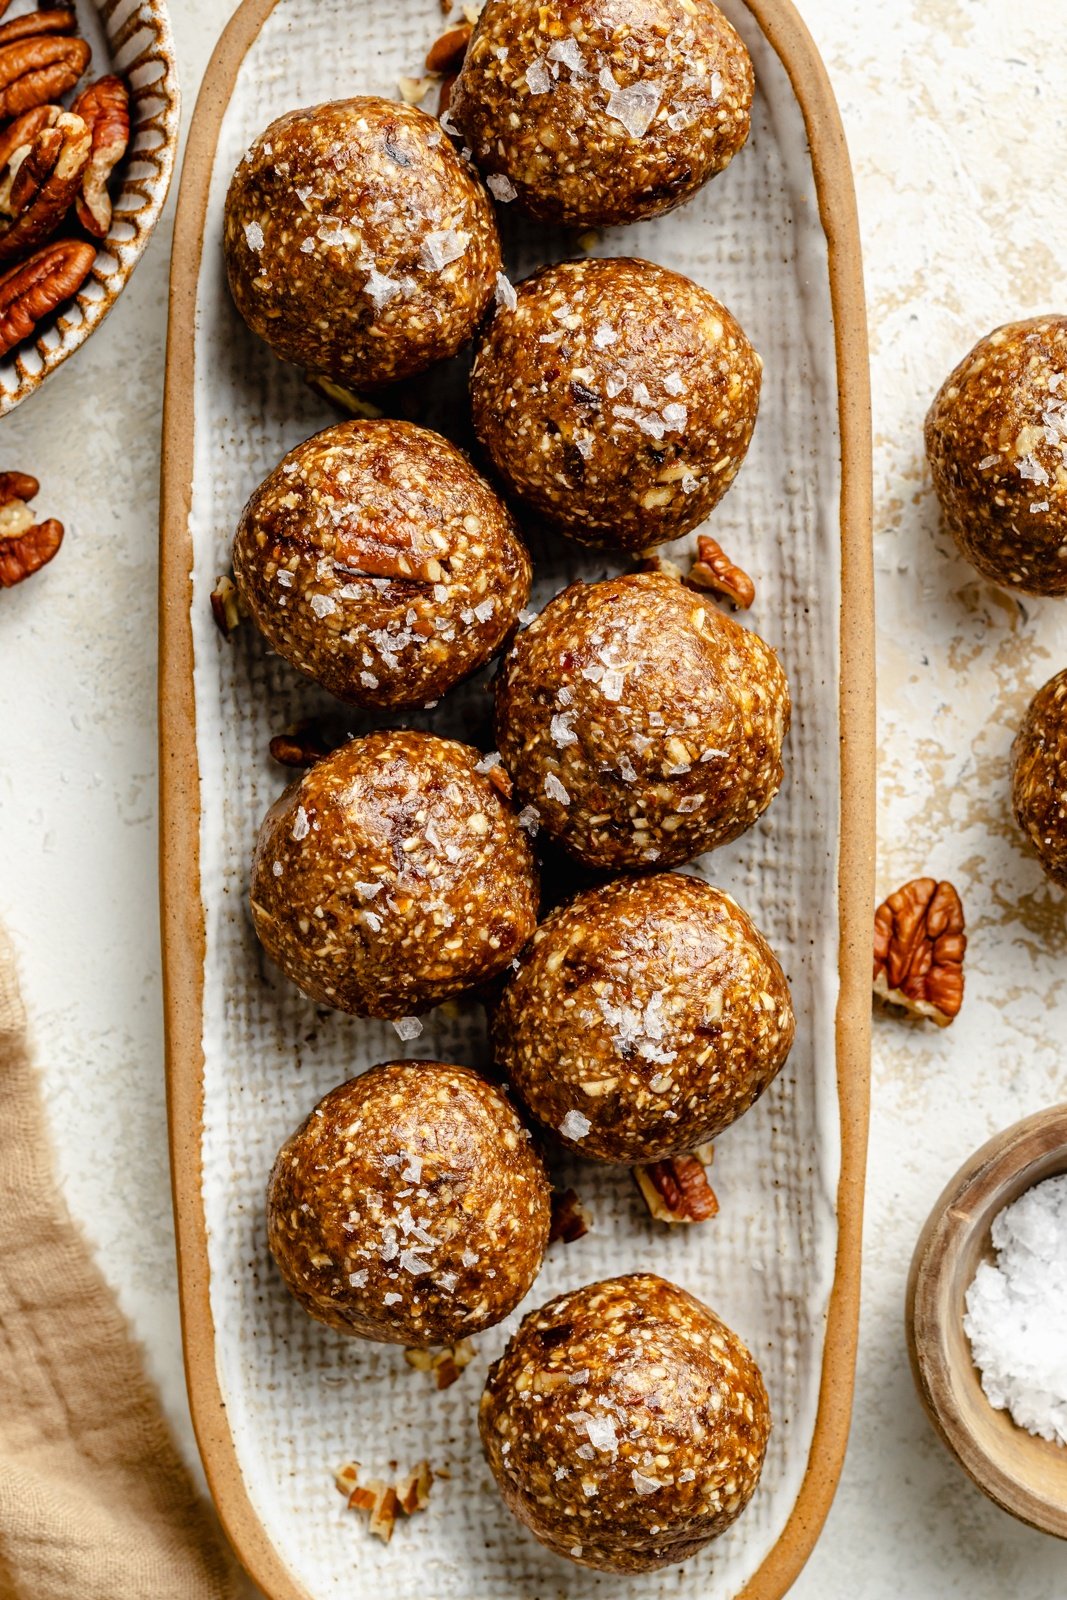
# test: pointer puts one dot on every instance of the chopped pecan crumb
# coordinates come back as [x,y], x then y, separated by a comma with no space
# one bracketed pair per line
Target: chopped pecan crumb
[715,572]
[446,1364]
[570,1220]
[225,607]
[677,1190]
[385,1501]
[919,945]
[661,565]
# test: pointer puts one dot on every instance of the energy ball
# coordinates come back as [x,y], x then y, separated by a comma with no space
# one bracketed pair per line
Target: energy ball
[392,876]
[625,1425]
[601,111]
[410,1207]
[375,560]
[1039,776]
[644,1018]
[616,399]
[358,243]
[640,724]
[996,436]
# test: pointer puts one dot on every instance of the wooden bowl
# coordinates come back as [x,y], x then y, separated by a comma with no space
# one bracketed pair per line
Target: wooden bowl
[135,41]
[1024,1474]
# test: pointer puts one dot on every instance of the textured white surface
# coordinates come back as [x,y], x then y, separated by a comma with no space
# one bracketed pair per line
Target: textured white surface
[954,115]
[301,1400]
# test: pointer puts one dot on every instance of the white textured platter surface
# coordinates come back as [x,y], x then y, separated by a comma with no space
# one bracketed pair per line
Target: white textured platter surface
[280,1402]
[132,38]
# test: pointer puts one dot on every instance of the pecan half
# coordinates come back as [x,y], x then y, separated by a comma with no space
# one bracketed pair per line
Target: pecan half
[919,945]
[18,135]
[677,1190]
[47,178]
[105,108]
[35,24]
[714,571]
[302,745]
[31,291]
[25,545]
[38,69]
[446,54]
[570,1220]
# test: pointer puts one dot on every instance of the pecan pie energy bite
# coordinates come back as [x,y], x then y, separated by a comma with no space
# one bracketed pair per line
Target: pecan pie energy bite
[378,562]
[358,243]
[410,1207]
[644,1018]
[616,399]
[392,876]
[641,724]
[996,436]
[602,111]
[625,1425]
[1039,776]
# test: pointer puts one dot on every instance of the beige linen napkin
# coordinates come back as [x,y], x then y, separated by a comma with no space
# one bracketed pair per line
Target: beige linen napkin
[95,1503]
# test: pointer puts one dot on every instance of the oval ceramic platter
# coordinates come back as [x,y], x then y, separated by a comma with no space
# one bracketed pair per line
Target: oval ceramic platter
[279,1402]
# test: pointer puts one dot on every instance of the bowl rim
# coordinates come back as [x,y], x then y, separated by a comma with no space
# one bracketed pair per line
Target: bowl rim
[986,1182]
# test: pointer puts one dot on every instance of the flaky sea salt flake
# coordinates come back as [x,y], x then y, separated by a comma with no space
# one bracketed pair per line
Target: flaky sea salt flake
[635,106]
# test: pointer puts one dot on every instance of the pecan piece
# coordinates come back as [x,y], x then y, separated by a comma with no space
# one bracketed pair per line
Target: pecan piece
[714,571]
[570,1220]
[225,607]
[413,1491]
[346,400]
[105,108]
[35,288]
[677,1190]
[39,69]
[444,97]
[446,1364]
[25,545]
[302,745]
[446,54]
[919,945]
[47,177]
[385,1501]
[35,24]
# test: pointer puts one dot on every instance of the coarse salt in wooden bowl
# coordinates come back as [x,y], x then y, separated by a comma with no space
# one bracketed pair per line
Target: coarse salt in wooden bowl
[1024,1474]
[131,38]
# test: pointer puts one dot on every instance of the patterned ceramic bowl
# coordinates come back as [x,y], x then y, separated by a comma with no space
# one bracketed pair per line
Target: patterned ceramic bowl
[133,40]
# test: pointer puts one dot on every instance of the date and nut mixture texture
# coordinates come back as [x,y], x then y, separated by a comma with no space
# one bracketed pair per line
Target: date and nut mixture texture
[616,400]
[358,243]
[393,876]
[641,726]
[996,436]
[625,1424]
[589,112]
[376,561]
[644,1018]
[410,1207]
[1039,776]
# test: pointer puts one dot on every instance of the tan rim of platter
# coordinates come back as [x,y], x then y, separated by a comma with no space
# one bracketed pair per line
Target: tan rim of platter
[182,917]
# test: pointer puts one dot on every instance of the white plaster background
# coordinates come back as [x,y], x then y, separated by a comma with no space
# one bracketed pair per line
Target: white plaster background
[955,115]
